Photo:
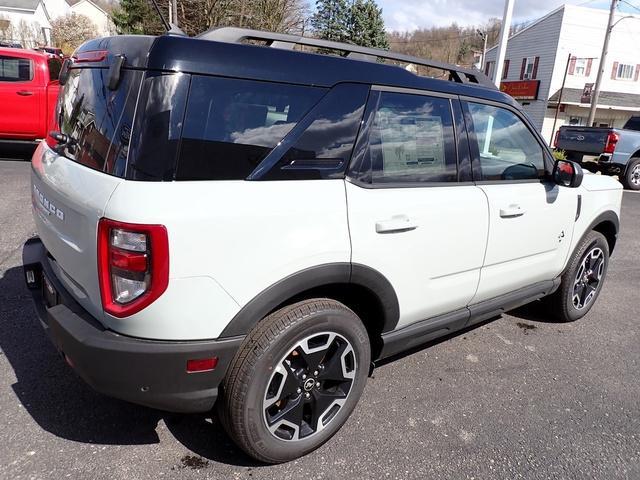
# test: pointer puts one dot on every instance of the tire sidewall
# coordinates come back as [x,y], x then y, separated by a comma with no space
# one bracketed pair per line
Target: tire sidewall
[343,322]
[627,175]
[594,239]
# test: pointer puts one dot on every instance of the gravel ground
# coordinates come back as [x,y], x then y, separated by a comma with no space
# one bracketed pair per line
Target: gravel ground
[519,397]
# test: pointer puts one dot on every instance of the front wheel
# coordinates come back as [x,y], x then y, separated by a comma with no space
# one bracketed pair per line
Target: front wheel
[582,281]
[295,380]
[631,177]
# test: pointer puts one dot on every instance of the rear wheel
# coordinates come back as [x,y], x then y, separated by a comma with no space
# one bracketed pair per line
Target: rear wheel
[295,380]
[631,177]
[582,282]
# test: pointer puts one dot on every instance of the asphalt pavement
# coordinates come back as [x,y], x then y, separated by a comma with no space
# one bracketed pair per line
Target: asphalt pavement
[518,397]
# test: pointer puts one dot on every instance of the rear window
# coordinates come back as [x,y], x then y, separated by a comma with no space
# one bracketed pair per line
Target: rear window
[14,69]
[231,125]
[98,120]
[55,65]
[633,124]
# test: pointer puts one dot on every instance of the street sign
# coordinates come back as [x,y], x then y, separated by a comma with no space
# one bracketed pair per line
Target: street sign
[521,90]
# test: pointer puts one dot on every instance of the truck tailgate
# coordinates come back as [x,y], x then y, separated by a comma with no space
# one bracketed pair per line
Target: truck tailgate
[587,140]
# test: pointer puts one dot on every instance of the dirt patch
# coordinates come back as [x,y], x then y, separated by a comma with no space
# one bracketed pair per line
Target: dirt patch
[526,327]
[193,462]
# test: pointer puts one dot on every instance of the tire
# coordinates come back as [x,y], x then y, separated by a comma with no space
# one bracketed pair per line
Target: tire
[575,297]
[273,412]
[631,177]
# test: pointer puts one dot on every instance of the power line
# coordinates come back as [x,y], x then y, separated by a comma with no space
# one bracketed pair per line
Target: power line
[630,4]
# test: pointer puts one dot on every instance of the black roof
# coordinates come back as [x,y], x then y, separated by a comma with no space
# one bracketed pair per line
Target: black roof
[240,60]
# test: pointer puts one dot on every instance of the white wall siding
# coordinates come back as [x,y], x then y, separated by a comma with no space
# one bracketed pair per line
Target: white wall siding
[539,40]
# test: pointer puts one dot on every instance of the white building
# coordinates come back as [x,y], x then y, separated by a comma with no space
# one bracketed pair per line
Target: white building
[98,15]
[569,39]
[26,22]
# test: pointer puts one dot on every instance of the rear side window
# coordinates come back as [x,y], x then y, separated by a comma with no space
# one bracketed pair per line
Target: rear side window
[14,69]
[633,124]
[231,125]
[324,148]
[98,120]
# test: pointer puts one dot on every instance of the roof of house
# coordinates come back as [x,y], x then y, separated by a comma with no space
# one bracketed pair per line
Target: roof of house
[100,4]
[613,99]
[20,4]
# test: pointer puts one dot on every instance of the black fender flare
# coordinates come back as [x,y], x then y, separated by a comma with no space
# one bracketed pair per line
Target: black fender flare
[606,216]
[319,276]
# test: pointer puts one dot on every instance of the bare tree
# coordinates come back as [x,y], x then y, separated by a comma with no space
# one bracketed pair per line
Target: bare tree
[72,30]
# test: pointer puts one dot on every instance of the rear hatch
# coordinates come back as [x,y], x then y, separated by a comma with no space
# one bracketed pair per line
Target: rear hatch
[588,140]
[74,177]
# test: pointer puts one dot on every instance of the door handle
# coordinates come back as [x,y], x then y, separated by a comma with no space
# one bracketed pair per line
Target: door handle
[24,93]
[396,224]
[511,211]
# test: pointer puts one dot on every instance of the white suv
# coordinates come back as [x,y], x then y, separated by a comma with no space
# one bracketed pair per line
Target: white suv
[256,225]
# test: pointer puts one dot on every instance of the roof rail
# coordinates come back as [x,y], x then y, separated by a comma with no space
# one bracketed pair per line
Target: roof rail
[355,52]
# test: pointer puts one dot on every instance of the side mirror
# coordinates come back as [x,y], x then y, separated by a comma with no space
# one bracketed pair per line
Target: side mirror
[567,174]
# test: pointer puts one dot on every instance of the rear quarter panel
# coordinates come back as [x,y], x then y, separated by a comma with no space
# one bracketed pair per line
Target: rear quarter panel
[229,241]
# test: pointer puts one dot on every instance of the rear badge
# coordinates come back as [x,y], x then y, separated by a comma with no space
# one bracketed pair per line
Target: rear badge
[45,205]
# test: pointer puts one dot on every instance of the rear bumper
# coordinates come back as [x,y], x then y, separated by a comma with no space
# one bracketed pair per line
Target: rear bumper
[146,372]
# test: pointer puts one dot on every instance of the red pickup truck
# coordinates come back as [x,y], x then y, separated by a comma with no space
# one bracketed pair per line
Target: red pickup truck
[28,93]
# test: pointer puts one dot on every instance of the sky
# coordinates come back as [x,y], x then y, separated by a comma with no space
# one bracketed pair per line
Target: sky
[403,15]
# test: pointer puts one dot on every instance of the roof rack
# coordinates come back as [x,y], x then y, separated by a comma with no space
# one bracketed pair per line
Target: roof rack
[355,52]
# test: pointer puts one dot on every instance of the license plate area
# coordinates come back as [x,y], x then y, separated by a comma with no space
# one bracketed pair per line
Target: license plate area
[49,293]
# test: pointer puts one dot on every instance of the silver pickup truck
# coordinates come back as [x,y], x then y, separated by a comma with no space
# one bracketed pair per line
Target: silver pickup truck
[616,151]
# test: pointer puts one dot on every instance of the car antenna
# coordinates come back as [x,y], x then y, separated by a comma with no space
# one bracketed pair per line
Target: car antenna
[170,28]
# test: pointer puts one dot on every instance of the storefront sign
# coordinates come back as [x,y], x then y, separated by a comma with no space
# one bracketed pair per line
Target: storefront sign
[586,93]
[521,90]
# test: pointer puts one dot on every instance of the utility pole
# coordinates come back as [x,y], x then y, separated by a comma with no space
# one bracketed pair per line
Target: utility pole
[603,57]
[555,117]
[505,28]
[174,7]
[483,35]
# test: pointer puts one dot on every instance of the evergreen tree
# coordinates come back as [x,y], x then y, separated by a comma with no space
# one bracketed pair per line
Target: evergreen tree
[331,20]
[136,17]
[366,26]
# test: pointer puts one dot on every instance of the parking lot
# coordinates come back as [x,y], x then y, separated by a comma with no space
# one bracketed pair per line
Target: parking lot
[518,397]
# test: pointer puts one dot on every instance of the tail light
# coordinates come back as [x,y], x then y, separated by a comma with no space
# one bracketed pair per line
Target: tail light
[612,141]
[555,139]
[133,265]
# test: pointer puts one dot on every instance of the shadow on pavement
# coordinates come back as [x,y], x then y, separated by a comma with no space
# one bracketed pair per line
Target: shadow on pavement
[62,404]
[16,151]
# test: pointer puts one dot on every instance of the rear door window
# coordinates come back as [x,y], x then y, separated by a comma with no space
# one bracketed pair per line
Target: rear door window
[98,120]
[411,141]
[231,125]
[15,69]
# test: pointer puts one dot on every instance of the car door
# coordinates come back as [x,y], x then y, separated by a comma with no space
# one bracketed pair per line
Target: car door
[414,214]
[19,97]
[531,218]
